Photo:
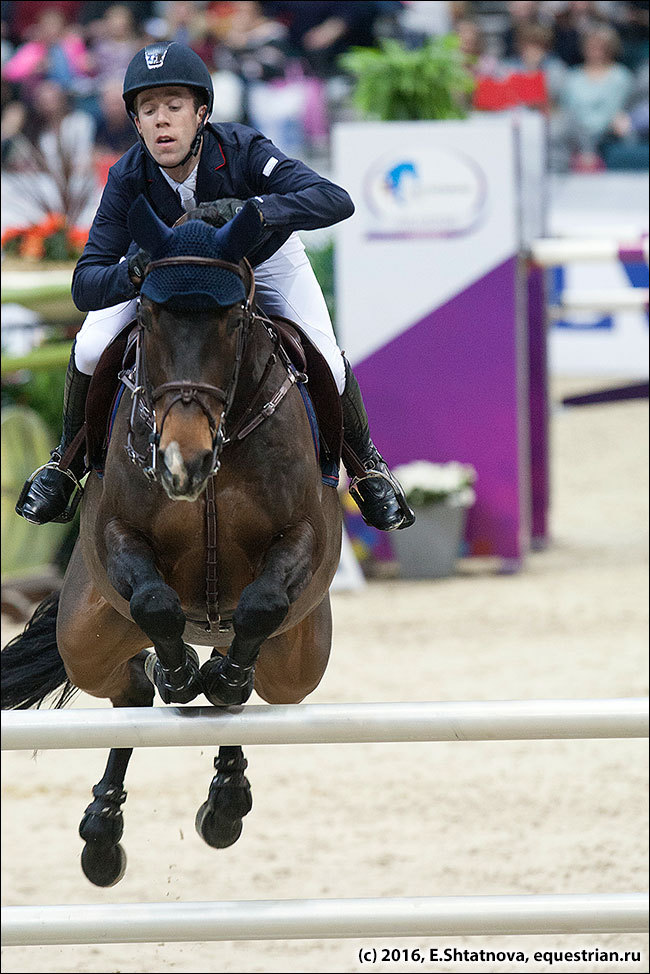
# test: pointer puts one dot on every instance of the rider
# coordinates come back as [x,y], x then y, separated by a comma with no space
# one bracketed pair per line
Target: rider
[183,163]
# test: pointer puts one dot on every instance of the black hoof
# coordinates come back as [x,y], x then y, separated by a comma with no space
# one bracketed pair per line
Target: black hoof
[176,686]
[217,831]
[227,683]
[103,865]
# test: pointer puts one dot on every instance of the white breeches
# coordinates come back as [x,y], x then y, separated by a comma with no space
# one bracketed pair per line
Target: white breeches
[285,284]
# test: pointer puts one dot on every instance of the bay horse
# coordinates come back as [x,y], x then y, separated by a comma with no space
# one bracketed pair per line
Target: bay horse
[170,553]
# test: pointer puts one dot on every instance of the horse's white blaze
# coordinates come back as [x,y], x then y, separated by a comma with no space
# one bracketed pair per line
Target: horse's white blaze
[174,461]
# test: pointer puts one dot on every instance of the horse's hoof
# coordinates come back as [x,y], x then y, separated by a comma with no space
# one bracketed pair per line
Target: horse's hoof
[217,831]
[226,683]
[176,686]
[103,865]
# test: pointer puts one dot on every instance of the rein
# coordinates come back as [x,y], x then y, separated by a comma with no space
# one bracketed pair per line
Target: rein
[144,400]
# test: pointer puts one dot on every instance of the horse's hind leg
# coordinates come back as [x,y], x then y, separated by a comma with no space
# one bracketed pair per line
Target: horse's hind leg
[103,859]
[104,655]
[156,609]
[219,819]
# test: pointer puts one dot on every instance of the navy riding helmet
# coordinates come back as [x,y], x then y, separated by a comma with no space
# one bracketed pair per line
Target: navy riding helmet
[169,63]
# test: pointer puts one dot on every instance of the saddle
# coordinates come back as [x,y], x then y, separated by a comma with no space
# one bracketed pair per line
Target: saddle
[300,350]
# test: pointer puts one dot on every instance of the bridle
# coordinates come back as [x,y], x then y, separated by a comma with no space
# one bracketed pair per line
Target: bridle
[144,399]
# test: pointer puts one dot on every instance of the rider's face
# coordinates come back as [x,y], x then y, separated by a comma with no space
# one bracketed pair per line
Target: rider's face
[167,121]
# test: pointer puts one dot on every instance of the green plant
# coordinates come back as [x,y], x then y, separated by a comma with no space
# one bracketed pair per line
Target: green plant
[397,84]
[41,391]
[322,262]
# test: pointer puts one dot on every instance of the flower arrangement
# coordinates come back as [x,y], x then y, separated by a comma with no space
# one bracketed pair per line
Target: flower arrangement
[427,483]
[51,239]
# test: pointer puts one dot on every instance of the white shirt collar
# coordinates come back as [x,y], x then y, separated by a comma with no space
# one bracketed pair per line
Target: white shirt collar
[186,189]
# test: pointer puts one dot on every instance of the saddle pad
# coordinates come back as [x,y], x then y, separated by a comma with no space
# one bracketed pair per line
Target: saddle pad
[322,391]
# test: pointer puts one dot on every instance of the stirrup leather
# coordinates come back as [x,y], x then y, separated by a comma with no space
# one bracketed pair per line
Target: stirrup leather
[408,515]
[53,464]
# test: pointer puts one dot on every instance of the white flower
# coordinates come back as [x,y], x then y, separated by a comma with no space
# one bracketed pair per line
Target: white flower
[426,483]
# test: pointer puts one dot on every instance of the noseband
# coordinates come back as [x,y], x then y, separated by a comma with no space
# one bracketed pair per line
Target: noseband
[144,399]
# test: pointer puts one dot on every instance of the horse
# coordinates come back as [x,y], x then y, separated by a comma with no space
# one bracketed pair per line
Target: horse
[211,525]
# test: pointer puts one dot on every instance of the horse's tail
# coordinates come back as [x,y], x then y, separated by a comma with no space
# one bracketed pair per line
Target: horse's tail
[32,668]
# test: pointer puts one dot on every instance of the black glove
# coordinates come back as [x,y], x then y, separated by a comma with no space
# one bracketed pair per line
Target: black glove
[218,212]
[137,264]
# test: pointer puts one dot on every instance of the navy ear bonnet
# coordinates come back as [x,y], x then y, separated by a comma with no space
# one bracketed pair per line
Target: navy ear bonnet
[190,286]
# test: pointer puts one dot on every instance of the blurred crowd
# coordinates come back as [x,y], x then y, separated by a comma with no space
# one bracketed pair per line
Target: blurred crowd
[275,65]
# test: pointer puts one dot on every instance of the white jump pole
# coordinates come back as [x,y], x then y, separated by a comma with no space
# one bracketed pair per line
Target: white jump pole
[553,252]
[605,300]
[325,723]
[448,916]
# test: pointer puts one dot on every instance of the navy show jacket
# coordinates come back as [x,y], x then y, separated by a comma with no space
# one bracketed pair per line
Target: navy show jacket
[236,161]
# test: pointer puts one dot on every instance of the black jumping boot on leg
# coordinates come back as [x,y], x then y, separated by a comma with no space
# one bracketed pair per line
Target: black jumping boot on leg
[47,494]
[376,492]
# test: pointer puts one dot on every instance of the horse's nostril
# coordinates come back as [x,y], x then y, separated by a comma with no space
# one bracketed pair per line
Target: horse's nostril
[200,467]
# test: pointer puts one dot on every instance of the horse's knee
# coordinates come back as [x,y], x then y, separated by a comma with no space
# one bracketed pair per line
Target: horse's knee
[156,608]
[260,612]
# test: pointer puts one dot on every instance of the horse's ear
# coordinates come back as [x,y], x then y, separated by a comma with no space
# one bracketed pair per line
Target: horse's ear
[240,234]
[148,231]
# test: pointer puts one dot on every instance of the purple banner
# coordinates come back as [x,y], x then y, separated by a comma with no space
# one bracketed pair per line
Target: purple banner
[454,386]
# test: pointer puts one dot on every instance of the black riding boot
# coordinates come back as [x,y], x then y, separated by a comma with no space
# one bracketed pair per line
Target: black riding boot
[46,494]
[377,493]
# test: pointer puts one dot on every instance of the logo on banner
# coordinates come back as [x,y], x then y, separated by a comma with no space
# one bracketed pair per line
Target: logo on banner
[428,192]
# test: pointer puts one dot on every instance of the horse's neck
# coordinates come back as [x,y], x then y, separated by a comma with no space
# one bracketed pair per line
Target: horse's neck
[258,350]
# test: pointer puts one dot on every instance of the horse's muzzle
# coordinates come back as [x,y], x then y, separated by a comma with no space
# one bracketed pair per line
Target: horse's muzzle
[184,479]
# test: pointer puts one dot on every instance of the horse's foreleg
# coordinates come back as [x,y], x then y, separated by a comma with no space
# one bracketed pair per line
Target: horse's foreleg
[262,608]
[156,608]
[103,859]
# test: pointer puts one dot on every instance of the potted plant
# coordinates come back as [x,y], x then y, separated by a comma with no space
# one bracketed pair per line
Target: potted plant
[394,83]
[440,494]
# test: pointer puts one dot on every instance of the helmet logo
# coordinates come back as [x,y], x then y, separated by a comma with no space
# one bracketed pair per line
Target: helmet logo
[154,55]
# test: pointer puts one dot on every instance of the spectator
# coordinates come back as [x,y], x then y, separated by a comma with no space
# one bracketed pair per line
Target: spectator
[321,30]
[115,132]
[23,16]
[594,95]
[7,46]
[183,21]
[533,46]
[571,25]
[14,116]
[521,13]
[92,12]
[472,44]
[117,40]
[627,144]
[256,48]
[61,134]
[56,53]
[632,20]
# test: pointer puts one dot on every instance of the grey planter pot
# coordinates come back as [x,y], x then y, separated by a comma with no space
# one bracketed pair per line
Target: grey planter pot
[431,547]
